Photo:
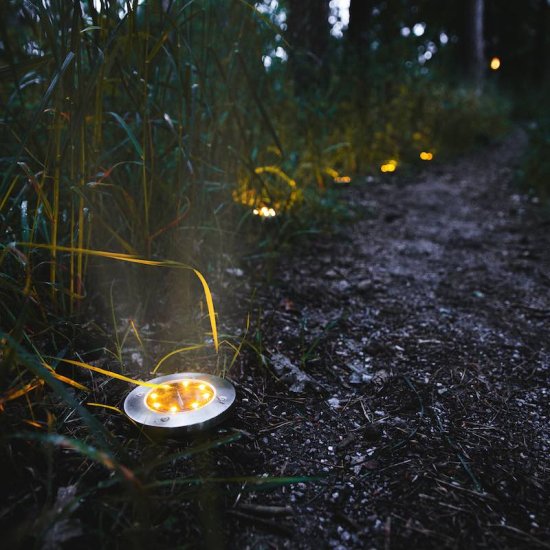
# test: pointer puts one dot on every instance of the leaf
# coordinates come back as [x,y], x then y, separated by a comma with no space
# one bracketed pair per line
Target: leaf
[255,482]
[210,306]
[109,373]
[34,364]
[180,350]
[104,458]
[53,85]
[129,133]
[189,452]
[142,261]
[14,393]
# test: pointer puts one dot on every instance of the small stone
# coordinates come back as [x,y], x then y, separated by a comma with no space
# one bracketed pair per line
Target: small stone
[234,271]
[334,402]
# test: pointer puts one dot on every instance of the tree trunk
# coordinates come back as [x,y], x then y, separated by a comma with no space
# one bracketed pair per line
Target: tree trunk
[540,47]
[308,35]
[476,58]
[360,15]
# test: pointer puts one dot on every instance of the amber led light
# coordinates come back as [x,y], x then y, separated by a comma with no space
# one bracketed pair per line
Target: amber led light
[180,396]
[185,401]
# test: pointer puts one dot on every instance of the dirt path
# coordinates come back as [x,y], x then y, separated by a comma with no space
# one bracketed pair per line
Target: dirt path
[422,330]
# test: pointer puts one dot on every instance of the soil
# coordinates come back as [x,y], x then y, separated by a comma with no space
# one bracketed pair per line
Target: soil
[413,360]
[393,393]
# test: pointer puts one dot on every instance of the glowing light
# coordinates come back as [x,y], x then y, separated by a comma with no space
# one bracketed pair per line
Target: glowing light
[264,212]
[339,17]
[426,155]
[419,28]
[342,179]
[180,396]
[278,192]
[180,405]
[389,166]
[495,63]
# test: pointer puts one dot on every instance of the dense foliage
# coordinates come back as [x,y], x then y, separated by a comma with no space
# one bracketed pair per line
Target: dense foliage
[134,129]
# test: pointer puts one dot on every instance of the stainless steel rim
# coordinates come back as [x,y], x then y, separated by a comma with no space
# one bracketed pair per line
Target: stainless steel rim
[200,419]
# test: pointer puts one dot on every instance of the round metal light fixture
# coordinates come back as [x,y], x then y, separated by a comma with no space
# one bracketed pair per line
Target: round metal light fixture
[185,401]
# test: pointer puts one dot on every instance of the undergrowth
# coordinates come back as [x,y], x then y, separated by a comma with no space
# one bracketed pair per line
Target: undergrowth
[535,169]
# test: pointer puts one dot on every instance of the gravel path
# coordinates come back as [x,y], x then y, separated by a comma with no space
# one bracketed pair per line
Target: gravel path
[413,359]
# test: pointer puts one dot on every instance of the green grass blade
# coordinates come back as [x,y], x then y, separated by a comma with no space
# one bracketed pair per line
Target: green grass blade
[129,133]
[33,364]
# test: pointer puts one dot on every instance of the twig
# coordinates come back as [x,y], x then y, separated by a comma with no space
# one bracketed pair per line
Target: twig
[459,488]
[262,522]
[387,534]
[278,426]
[266,510]
[541,543]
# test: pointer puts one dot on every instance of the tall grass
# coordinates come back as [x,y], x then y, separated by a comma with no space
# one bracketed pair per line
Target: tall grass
[120,136]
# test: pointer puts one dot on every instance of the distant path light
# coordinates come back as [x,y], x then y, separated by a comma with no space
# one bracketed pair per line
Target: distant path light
[264,212]
[495,63]
[183,402]
[389,166]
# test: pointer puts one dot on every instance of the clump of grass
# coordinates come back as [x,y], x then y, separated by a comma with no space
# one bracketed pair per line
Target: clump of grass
[115,139]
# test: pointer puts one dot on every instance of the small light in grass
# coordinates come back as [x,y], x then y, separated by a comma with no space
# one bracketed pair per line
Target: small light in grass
[495,64]
[425,155]
[342,179]
[184,402]
[389,166]
[264,212]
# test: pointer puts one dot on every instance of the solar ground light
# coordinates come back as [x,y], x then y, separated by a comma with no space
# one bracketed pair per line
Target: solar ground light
[181,402]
